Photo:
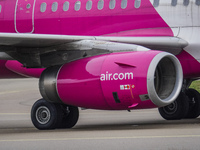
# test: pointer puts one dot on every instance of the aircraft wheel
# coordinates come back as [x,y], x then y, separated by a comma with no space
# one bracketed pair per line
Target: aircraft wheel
[45,115]
[70,116]
[194,103]
[177,110]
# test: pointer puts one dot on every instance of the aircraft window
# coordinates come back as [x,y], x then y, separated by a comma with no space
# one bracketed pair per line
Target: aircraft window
[112,4]
[100,4]
[186,2]
[43,7]
[137,3]
[54,7]
[123,4]
[77,6]
[89,5]
[174,2]
[156,3]
[0,8]
[197,2]
[66,6]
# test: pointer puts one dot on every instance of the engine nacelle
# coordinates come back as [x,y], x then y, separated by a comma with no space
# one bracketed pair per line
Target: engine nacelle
[131,80]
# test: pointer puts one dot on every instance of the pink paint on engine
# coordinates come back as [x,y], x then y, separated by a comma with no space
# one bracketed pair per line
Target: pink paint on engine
[90,82]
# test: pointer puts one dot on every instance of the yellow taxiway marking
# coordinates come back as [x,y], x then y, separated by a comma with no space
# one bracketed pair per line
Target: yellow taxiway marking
[102,138]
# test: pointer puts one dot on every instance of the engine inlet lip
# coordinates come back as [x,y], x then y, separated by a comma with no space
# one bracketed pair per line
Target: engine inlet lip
[150,80]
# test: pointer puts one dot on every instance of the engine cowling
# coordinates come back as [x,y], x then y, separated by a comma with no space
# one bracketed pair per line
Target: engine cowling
[131,80]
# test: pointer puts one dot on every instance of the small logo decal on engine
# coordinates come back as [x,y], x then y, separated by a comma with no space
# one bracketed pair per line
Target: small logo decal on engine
[126,87]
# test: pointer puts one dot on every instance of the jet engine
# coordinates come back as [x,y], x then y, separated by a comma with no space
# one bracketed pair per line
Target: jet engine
[116,81]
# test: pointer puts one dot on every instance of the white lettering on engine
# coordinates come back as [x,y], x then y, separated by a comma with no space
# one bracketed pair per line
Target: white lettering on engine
[116,76]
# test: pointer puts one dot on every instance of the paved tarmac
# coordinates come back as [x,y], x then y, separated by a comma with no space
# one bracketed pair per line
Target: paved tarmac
[95,130]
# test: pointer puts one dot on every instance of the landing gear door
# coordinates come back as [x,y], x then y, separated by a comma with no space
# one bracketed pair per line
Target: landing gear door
[24,16]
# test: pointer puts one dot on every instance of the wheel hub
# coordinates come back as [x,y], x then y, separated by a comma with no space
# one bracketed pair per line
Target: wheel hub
[171,109]
[43,115]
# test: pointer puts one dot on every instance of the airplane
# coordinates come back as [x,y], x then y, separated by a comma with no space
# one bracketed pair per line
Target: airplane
[103,54]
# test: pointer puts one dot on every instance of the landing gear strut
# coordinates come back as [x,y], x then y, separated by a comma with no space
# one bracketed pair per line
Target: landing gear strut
[46,115]
[187,105]
[194,103]
[70,116]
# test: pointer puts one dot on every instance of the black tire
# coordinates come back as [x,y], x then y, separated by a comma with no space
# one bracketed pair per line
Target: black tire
[70,116]
[194,103]
[177,110]
[45,115]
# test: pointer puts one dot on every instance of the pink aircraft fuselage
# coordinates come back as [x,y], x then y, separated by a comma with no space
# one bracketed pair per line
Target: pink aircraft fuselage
[26,17]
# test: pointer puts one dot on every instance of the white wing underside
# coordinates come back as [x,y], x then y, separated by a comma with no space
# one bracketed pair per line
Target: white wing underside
[36,50]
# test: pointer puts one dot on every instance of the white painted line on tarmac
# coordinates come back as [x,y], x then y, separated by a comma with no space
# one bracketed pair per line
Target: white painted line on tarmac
[102,138]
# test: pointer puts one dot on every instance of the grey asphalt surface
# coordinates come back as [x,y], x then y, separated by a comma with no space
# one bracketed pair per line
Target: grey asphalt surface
[95,130]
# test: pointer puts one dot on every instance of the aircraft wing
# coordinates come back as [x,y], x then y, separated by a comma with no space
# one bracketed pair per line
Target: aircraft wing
[43,40]
[20,46]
